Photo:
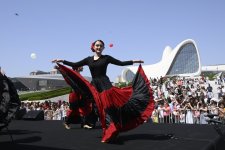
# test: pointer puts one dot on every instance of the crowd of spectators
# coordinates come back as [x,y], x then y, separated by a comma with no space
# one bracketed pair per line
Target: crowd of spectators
[177,100]
[52,110]
[188,100]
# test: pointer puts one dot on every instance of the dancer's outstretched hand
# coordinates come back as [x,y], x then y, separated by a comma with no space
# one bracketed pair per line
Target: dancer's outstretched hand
[138,61]
[57,60]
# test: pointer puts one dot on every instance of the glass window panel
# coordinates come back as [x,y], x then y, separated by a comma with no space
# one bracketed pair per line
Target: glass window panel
[129,76]
[186,61]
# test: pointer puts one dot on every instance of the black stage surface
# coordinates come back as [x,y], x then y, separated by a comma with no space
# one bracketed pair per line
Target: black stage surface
[51,135]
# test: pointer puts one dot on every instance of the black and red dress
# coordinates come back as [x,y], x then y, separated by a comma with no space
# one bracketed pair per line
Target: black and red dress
[80,110]
[120,109]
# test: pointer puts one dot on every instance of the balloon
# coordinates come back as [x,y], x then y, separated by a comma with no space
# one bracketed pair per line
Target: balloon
[33,56]
[111,45]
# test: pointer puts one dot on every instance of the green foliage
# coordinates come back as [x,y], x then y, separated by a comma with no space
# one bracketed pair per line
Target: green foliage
[210,75]
[45,95]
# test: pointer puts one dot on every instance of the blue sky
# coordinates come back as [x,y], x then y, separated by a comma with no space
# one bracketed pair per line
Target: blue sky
[139,29]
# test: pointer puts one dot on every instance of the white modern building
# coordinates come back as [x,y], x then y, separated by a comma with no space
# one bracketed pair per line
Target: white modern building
[183,60]
[214,68]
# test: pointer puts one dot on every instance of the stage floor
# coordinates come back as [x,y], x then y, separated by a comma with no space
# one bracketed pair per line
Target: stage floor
[51,135]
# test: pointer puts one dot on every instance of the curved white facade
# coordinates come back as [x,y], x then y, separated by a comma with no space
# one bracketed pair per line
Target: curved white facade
[183,60]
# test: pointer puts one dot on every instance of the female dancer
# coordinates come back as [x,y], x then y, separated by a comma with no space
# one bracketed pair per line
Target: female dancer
[119,109]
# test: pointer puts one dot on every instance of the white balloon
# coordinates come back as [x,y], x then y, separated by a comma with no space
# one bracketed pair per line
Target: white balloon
[33,55]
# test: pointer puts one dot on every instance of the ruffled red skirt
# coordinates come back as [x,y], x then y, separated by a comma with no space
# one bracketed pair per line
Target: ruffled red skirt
[120,109]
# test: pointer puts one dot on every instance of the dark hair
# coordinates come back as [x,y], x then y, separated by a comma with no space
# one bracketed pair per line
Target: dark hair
[93,44]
